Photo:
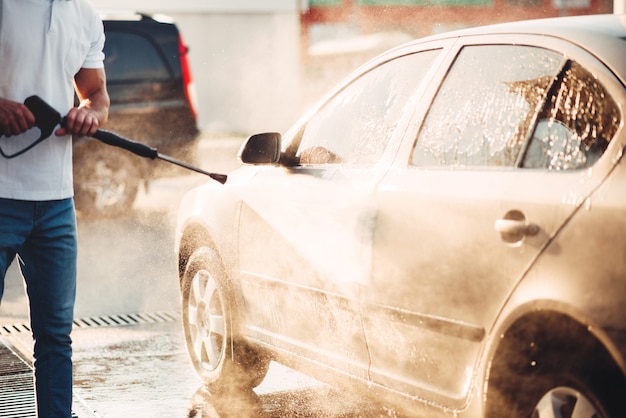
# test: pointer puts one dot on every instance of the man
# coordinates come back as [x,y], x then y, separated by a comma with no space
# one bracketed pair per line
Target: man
[49,48]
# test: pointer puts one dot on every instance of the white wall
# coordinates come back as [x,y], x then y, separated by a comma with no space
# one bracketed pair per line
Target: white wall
[234,6]
[247,69]
[244,55]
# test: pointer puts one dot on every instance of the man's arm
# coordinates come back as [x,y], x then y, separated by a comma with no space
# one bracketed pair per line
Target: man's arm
[93,110]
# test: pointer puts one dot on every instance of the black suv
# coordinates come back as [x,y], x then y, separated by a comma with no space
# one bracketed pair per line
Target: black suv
[149,82]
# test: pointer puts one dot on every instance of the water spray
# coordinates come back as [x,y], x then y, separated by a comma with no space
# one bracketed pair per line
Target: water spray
[47,118]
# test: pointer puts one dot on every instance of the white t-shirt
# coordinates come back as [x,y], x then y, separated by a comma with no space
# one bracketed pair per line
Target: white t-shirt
[43,44]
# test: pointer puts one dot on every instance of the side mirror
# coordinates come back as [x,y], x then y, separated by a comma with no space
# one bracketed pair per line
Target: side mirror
[261,149]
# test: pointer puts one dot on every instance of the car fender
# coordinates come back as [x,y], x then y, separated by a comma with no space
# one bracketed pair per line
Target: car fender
[567,295]
[209,215]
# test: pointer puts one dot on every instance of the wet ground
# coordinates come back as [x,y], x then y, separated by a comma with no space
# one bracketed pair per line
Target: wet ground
[142,371]
[145,374]
[129,355]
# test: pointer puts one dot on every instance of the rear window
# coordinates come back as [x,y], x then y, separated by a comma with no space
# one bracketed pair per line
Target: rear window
[130,57]
[575,125]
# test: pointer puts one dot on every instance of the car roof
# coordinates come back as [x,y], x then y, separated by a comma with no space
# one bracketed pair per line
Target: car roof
[576,27]
[602,35]
[133,16]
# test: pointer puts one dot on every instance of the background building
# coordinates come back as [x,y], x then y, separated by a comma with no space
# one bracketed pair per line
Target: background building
[426,17]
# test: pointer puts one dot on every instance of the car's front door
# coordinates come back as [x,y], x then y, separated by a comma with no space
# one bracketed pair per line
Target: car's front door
[499,164]
[305,232]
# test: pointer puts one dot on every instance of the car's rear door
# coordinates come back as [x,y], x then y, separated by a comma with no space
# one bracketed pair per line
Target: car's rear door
[305,232]
[476,195]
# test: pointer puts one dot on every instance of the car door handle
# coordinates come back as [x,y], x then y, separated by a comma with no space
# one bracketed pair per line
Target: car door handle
[516,227]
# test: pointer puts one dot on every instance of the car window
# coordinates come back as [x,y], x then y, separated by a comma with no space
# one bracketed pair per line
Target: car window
[576,124]
[485,106]
[132,57]
[355,126]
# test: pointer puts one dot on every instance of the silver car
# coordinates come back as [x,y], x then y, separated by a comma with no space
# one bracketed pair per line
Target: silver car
[445,232]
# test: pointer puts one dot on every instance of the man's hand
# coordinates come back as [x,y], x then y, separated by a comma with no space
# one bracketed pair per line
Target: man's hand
[15,118]
[93,111]
[80,121]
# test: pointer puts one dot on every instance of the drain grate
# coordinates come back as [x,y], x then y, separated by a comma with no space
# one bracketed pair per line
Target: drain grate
[126,319]
[17,388]
[17,397]
[118,320]
[13,329]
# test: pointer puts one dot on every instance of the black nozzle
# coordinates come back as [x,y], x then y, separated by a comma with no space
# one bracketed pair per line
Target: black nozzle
[116,140]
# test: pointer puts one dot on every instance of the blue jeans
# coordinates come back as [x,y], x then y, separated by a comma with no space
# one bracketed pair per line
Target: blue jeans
[43,236]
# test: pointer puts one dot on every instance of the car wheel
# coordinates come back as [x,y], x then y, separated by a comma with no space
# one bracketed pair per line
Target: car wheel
[222,360]
[554,372]
[566,402]
[571,394]
[105,181]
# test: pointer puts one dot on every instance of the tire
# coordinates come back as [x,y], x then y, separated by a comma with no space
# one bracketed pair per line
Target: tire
[222,360]
[568,402]
[558,373]
[566,395]
[205,404]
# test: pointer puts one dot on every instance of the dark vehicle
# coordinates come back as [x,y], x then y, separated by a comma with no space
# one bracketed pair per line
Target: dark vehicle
[445,232]
[152,101]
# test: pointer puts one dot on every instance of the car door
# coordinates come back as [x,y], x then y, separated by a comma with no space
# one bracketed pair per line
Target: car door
[305,232]
[500,162]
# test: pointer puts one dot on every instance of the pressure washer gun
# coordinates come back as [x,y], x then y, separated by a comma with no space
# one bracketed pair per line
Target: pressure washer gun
[47,118]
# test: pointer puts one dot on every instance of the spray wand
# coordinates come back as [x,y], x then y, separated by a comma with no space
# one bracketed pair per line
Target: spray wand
[47,118]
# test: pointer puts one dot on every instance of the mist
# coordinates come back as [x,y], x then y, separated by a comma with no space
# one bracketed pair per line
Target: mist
[255,73]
